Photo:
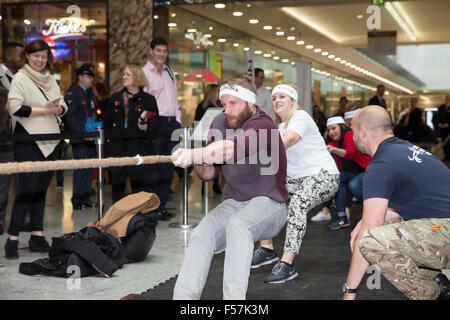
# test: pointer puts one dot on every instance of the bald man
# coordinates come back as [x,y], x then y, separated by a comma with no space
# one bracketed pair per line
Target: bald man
[405,228]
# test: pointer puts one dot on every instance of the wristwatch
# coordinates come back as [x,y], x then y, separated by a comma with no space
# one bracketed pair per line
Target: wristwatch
[346,289]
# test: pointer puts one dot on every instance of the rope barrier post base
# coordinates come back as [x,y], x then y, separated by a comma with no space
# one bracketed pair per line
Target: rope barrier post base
[99,143]
[184,225]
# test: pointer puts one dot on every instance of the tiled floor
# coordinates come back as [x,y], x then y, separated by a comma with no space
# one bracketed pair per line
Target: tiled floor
[163,262]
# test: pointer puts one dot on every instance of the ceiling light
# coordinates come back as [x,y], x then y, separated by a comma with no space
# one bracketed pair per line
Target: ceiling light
[309,46]
[26,21]
[337,59]
[236,44]
[401,18]
[219,5]
[276,58]
[300,42]
[331,56]
[348,63]
[210,28]
[221,40]
[191,30]
[172,24]
[359,16]
[267,55]
[253,21]
[279,33]
[290,38]
[173,15]
[285,60]
[293,63]
[317,50]
[238,14]
[267,27]
[258,52]
[246,48]
[343,61]
[207,35]
[324,53]
[156,17]
[91,21]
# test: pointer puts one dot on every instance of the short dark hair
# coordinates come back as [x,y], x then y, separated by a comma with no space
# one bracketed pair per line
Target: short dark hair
[8,47]
[158,41]
[35,46]
[343,98]
[257,71]
[380,85]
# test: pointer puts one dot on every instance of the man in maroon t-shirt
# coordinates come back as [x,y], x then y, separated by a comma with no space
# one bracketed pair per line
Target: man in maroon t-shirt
[246,146]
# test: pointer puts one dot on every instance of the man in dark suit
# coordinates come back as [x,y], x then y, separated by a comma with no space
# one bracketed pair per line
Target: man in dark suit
[81,115]
[378,100]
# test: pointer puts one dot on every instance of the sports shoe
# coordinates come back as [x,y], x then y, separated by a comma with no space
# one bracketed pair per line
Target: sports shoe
[321,217]
[339,223]
[263,256]
[281,273]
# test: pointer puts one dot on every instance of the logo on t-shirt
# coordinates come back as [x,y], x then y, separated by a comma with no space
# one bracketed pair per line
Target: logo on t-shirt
[416,152]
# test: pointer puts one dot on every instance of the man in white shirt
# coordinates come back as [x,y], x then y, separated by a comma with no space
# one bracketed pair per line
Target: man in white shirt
[11,63]
[263,96]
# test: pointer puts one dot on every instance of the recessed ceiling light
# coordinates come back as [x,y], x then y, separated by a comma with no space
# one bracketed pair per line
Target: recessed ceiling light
[210,28]
[26,21]
[348,63]
[248,5]
[267,27]
[285,60]
[359,16]
[221,40]
[300,42]
[317,50]
[293,63]
[309,46]
[173,15]
[331,56]
[253,21]
[267,55]
[238,14]
[337,59]
[279,33]
[343,61]
[236,44]
[207,35]
[219,5]
[258,52]
[155,17]
[290,38]
[324,53]
[246,48]
[276,58]
[172,24]
[191,30]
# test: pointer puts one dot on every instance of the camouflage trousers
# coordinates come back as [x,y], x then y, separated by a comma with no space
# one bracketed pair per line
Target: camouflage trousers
[410,254]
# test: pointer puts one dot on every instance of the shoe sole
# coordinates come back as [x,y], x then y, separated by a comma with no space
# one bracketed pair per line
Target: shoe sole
[265,263]
[291,277]
[320,220]
[340,227]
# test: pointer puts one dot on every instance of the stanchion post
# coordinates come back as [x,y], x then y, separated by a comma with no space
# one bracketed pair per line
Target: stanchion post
[185,225]
[100,141]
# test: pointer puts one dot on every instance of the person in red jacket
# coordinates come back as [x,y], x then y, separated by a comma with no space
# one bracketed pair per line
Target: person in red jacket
[351,165]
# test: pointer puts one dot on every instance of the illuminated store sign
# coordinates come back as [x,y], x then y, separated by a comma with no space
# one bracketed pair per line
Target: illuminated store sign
[65,27]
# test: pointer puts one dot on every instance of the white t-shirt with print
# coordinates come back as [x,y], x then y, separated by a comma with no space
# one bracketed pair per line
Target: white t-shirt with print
[309,155]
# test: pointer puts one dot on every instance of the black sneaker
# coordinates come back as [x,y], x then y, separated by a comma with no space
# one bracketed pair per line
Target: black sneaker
[12,249]
[263,256]
[339,223]
[281,273]
[444,286]
[38,244]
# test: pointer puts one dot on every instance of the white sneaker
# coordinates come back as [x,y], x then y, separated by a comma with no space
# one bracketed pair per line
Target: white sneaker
[321,217]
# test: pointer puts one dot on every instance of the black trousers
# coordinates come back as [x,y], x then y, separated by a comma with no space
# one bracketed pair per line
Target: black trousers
[118,181]
[31,189]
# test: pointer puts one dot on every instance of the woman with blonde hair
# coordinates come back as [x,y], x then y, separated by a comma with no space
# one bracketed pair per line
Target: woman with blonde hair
[36,107]
[312,178]
[131,120]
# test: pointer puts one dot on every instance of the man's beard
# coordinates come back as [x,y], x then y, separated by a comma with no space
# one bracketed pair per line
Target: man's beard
[240,119]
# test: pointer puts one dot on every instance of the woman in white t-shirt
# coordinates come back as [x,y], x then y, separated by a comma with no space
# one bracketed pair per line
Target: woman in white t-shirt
[312,178]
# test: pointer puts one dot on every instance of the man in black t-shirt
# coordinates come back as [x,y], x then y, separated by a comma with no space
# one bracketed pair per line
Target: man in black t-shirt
[406,183]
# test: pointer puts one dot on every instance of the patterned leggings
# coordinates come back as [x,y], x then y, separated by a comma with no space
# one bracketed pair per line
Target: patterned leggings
[305,194]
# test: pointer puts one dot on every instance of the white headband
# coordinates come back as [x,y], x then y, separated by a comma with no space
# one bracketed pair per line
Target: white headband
[335,120]
[350,114]
[239,92]
[284,88]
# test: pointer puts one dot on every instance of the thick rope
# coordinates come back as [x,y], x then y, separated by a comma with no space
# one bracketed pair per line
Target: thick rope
[41,166]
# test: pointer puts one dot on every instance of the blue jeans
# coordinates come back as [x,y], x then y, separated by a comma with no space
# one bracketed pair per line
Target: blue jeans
[162,178]
[354,183]
[82,178]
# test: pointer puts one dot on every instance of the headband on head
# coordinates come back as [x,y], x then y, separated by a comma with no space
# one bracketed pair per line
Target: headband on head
[335,120]
[284,88]
[350,114]
[239,92]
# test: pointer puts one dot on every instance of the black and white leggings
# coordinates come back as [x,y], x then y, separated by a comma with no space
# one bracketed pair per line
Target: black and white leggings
[304,194]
